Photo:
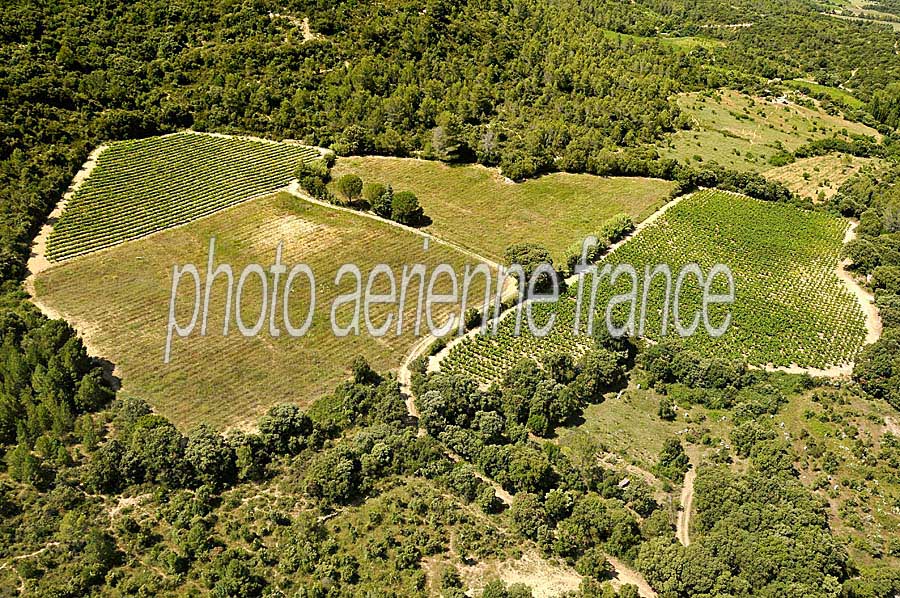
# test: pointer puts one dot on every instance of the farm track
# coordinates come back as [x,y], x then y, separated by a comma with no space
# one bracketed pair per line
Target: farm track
[294,189]
[37,260]
[683,520]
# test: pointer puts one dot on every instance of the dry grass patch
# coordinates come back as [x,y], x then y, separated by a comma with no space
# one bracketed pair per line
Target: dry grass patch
[742,132]
[821,174]
[121,298]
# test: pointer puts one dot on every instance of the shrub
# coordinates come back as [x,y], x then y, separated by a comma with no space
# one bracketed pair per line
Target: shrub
[405,208]
[372,191]
[382,205]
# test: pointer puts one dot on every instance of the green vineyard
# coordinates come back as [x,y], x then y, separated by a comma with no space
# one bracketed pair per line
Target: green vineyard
[143,186]
[790,307]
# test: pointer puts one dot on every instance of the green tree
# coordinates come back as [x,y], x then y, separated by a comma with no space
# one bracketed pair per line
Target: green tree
[211,457]
[350,186]
[666,409]
[405,208]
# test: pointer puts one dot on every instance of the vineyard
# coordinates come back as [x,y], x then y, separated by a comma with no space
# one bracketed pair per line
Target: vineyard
[119,300]
[790,307]
[146,185]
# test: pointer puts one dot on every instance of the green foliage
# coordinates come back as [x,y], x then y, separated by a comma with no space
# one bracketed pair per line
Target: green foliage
[530,256]
[673,462]
[373,191]
[666,409]
[405,208]
[382,205]
[350,186]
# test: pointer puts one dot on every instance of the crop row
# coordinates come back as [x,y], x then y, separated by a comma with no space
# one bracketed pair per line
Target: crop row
[790,307]
[143,186]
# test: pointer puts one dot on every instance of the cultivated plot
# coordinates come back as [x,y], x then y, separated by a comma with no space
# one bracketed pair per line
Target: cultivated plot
[119,300]
[790,307]
[146,185]
[475,207]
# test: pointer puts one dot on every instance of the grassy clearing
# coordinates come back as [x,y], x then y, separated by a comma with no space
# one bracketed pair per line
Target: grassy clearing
[146,185]
[834,93]
[119,299]
[743,132]
[685,44]
[846,456]
[790,307]
[821,174]
[475,207]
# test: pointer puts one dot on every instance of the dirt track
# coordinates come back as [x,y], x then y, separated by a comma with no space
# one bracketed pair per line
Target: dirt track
[683,522]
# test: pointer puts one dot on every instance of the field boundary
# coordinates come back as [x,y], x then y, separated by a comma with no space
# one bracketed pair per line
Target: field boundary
[37,260]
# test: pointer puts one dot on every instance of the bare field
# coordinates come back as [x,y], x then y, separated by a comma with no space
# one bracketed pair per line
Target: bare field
[119,299]
[477,208]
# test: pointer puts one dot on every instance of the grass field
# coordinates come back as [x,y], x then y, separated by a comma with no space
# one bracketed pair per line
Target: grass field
[119,300]
[743,132]
[790,307]
[685,44]
[808,177]
[475,207]
[834,93]
[146,185]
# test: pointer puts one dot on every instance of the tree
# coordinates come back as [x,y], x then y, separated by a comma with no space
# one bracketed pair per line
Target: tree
[23,466]
[528,514]
[560,366]
[888,278]
[405,208]
[593,564]
[372,191]
[446,138]
[487,500]
[350,186]
[529,256]
[673,462]
[212,458]
[666,409]
[285,429]
[599,370]
[92,393]
[433,412]
[334,476]
[105,474]
[156,448]
[382,205]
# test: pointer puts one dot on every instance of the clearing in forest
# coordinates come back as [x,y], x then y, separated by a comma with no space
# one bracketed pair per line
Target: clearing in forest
[810,177]
[742,132]
[478,209]
[790,307]
[119,300]
[146,185]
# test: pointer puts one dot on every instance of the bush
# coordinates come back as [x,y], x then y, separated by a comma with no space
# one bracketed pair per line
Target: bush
[372,191]
[405,208]
[616,228]
[382,205]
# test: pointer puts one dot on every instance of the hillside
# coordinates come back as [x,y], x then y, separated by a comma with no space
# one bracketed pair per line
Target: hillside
[166,429]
